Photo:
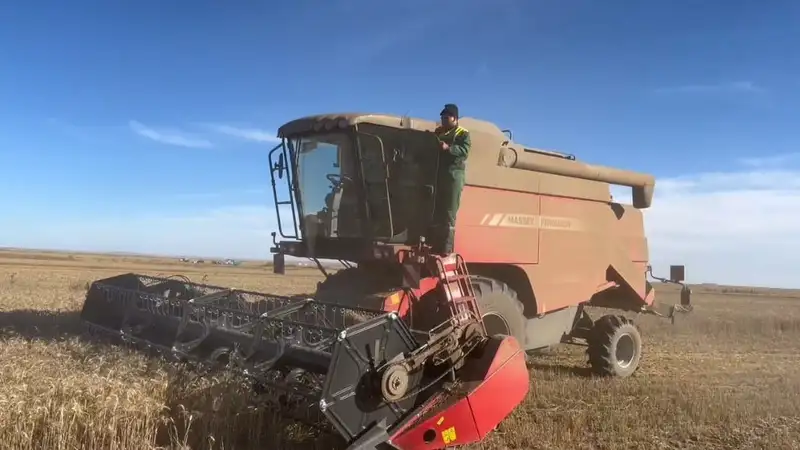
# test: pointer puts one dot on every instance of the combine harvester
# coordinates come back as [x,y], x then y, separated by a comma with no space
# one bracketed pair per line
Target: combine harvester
[403,348]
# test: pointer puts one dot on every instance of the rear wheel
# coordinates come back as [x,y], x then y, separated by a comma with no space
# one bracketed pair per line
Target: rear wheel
[500,308]
[615,346]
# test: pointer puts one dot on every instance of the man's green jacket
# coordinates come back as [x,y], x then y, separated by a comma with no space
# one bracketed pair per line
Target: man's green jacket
[453,161]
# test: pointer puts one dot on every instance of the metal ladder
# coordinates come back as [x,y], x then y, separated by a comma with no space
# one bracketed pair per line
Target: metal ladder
[455,282]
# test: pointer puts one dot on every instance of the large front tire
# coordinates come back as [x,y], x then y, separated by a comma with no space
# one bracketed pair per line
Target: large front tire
[501,310]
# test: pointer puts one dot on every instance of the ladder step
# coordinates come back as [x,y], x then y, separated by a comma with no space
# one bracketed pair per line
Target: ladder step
[457,290]
[457,294]
[449,260]
[455,280]
[447,274]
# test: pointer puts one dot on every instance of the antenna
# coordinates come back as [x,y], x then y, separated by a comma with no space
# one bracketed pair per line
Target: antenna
[405,120]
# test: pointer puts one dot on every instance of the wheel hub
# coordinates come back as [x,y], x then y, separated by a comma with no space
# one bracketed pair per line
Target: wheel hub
[626,350]
[495,324]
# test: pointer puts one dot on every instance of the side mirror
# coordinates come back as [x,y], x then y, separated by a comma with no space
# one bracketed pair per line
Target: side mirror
[279,263]
[281,166]
[677,273]
[278,166]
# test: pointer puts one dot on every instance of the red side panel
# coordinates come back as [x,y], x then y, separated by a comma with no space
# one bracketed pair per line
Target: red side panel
[565,244]
[505,388]
[453,426]
[498,226]
[400,301]
[495,384]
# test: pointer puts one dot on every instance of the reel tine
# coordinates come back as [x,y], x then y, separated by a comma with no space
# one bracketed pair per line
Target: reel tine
[281,343]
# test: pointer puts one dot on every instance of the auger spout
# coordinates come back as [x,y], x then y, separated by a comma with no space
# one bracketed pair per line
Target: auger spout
[642,184]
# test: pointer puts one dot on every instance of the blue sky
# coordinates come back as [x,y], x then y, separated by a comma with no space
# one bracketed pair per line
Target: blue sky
[145,126]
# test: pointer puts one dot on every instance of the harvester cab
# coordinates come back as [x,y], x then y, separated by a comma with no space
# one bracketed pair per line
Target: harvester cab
[403,348]
[342,188]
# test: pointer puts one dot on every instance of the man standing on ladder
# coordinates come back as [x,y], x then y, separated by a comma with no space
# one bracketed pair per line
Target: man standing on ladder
[454,145]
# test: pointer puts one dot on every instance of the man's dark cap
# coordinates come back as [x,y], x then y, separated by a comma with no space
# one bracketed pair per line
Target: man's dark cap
[450,109]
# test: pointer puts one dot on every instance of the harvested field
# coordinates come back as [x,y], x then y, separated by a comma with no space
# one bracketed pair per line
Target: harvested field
[725,377]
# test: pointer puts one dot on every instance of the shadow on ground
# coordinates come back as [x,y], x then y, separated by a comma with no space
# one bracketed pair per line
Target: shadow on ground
[562,369]
[44,325]
[202,410]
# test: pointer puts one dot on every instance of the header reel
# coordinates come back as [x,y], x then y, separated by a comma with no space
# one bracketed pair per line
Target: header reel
[364,372]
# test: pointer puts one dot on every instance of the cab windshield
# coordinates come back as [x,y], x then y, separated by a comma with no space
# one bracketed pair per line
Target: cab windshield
[326,178]
[380,190]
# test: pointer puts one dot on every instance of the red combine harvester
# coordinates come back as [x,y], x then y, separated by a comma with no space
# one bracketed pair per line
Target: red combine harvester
[403,348]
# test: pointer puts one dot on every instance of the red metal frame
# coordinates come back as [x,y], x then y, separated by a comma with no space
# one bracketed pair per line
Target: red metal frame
[454,280]
[492,385]
[493,381]
[400,301]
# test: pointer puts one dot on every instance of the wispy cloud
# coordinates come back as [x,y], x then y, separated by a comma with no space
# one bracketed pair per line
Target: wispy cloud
[169,136]
[733,87]
[393,37]
[70,129]
[246,133]
[221,194]
[414,21]
[730,227]
[94,133]
[236,231]
[771,161]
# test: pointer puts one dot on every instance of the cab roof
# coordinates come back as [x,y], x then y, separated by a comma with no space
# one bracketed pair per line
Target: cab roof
[331,121]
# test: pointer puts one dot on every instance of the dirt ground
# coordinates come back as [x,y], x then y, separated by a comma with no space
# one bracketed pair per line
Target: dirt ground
[724,377]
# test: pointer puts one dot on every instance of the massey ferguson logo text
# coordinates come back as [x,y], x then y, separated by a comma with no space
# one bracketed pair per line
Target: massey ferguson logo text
[530,221]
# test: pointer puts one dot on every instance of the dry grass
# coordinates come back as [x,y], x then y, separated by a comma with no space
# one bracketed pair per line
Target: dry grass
[725,377]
